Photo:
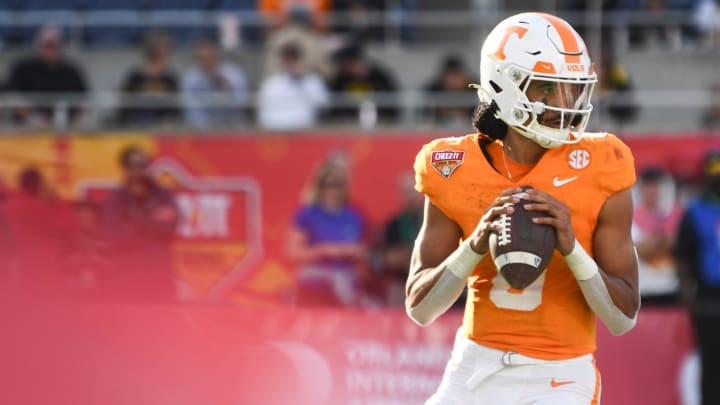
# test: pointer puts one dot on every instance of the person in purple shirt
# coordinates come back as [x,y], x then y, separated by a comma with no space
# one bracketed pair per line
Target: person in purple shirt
[326,241]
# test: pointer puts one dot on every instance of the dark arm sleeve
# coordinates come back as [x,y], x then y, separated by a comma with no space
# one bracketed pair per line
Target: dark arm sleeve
[686,245]
[392,233]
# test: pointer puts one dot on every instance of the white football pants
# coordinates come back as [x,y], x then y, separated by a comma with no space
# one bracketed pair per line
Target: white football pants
[479,375]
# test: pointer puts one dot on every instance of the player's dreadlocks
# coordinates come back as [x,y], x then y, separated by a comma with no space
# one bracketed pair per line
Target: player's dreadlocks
[485,121]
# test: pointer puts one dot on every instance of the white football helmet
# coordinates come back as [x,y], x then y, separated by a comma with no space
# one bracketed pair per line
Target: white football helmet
[542,52]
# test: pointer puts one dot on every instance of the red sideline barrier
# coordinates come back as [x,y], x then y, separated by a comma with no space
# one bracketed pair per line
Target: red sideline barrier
[118,355]
[238,195]
[192,355]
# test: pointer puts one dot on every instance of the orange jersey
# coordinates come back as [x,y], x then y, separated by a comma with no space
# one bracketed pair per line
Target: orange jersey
[549,319]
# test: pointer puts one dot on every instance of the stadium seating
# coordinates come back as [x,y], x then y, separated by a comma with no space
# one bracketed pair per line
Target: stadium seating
[20,19]
[121,23]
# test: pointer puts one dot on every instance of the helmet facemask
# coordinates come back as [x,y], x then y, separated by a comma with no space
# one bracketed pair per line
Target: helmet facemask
[550,110]
[555,108]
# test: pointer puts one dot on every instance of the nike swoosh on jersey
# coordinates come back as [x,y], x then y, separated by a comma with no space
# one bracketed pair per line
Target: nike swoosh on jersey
[556,384]
[557,182]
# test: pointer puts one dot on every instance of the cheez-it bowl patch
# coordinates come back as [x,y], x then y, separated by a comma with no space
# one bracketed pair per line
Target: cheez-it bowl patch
[446,161]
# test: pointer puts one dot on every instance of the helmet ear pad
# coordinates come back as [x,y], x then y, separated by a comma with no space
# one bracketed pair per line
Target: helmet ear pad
[506,90]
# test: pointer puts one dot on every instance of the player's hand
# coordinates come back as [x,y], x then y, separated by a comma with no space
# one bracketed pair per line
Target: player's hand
[558,217]
[488,223]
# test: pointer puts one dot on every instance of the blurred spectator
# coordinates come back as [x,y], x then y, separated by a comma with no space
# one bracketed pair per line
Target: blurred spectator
[46,72]
[38,220]
[638,23]
[398,240]
[213,81]
[711,116]
[313,46]
[405,11]
[653,28]
[153,85]
[686,33]
[706,17]
[359,80]
[326,240]
[140,218]
[697,255]
[450,85]
[655,220]
[359,24]
[293,98]
[278,12]
[617,89]
[32,183]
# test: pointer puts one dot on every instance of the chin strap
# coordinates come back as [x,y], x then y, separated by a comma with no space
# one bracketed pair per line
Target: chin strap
[483,95]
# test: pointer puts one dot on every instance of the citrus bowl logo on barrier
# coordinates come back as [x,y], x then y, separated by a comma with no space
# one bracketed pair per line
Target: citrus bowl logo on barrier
[219,233]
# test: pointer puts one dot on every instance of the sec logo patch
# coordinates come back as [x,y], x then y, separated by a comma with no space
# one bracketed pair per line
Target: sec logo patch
[579,159]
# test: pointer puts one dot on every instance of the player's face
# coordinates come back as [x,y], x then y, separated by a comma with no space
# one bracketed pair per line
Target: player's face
[556,96]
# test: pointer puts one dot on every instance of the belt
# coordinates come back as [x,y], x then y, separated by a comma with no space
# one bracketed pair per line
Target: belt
[507,359]
[517,359]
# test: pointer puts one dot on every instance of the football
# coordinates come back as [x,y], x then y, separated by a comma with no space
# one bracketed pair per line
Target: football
[523,249]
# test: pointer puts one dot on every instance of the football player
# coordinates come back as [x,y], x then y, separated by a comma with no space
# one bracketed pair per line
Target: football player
[533,346]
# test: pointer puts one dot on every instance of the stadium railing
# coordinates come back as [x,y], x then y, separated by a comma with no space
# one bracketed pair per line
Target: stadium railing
[100,105]
[100,109]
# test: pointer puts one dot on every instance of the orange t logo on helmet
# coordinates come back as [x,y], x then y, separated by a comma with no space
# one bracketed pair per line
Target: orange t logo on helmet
[513,29]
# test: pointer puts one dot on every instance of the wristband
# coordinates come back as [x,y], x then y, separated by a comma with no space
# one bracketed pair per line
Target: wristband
[582,265]
[463,260]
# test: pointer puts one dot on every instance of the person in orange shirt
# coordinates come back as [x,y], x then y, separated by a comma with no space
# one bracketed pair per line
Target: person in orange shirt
[535,345]
[278,12]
